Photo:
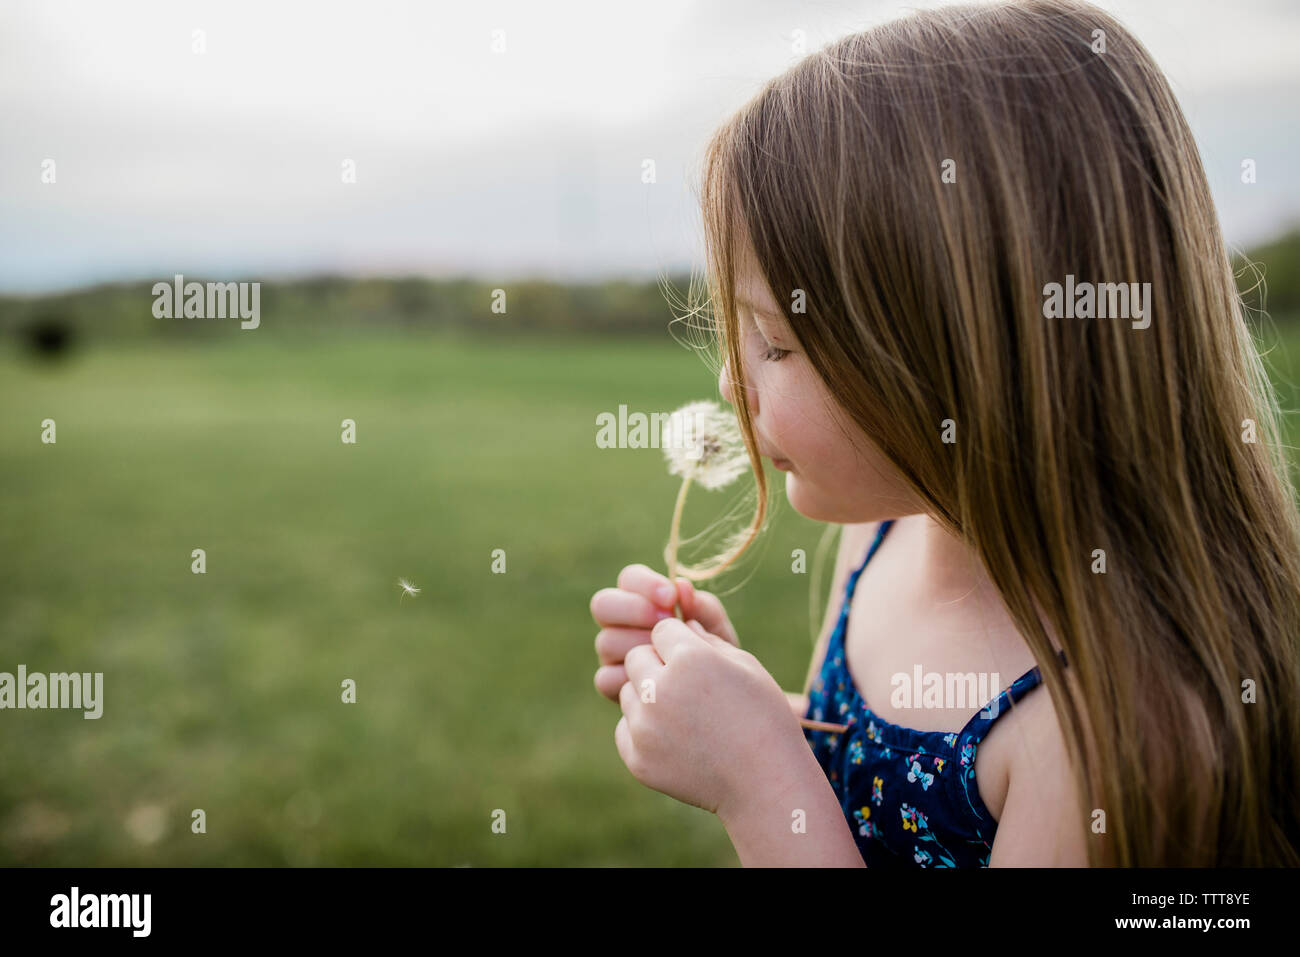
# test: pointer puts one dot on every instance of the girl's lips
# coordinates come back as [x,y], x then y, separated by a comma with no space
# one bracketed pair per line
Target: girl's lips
[782,464]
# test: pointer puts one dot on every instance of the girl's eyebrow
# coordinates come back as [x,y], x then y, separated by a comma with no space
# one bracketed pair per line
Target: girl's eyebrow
[776,323]
[762,311]
[773,332]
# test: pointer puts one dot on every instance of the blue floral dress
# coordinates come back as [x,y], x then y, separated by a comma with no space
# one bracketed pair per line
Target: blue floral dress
[909,796]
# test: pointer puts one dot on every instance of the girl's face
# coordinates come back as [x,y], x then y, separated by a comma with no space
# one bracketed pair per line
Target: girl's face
[799,425]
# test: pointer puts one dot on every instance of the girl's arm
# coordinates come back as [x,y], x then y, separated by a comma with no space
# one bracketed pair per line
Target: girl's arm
[798,703]
[769,831]
[794,821]
[1042,824]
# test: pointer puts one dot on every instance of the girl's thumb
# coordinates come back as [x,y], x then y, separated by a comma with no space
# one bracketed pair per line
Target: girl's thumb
[704,633]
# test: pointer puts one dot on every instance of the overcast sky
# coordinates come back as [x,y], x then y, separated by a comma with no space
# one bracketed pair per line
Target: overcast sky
[498,164]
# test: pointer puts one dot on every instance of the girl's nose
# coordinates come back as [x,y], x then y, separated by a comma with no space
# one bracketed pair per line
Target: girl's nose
[726,386]
[725,383]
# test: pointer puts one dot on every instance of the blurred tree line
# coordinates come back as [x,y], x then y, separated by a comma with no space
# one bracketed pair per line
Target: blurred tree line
[1268,277]
[333,303]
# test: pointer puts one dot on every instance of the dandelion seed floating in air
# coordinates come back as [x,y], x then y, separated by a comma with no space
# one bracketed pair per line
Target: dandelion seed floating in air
[407,589]
[703,444]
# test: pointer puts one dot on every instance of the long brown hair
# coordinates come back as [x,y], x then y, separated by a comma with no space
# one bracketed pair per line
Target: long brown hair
[922,183]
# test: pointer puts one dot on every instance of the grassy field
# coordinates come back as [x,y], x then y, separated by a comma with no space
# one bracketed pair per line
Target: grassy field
[222,690]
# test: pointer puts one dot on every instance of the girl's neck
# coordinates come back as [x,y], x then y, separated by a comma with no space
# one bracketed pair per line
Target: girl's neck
[942,574]
[943,569]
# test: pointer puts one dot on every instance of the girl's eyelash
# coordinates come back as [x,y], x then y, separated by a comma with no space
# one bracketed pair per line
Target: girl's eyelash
[770,352]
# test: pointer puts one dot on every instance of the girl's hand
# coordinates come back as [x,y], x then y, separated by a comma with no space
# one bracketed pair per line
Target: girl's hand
[627,613]
[703,721]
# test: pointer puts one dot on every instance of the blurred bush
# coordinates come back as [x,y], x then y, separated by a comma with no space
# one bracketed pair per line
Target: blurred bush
[49,335]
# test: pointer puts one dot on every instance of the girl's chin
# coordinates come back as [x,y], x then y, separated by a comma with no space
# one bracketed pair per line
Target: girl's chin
[810,506]
[796,493]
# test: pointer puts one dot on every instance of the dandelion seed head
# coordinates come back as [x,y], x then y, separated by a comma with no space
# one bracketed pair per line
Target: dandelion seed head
[702,442]
[407,587]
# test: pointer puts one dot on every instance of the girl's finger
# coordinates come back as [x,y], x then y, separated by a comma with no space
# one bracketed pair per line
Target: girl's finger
[667,635]
[613,644]
[628,700]
[706,608]
[686,595]
[645,581]
[609,680]
[623,742]
[614,607]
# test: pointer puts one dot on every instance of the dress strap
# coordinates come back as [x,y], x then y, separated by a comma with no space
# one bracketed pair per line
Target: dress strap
[853,578]
[837,636]
[978,726]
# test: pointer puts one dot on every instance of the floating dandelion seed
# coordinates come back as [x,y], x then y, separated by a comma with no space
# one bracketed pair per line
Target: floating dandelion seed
[703,444]
[407,589]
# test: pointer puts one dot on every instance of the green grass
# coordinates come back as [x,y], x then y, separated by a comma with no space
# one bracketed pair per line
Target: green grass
[222,691]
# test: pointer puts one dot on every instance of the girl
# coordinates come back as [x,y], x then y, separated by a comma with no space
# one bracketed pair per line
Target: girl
[970,284]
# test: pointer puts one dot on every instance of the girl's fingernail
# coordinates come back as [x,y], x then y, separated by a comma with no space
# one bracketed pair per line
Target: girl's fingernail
[666,594]
[661,615]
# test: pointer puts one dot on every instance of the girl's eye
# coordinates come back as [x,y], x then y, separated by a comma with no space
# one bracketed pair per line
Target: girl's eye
[773,354]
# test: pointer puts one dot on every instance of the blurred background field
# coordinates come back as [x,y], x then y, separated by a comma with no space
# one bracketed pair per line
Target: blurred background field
[222,690]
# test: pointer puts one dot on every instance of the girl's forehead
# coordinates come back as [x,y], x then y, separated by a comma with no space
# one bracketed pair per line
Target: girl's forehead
[764,308]
[751,288]
[753,294]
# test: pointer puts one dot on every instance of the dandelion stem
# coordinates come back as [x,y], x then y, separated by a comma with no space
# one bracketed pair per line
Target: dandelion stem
[822,725]
[673,535]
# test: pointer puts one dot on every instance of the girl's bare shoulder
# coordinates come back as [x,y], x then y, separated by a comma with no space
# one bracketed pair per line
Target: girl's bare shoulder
[1040,821]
